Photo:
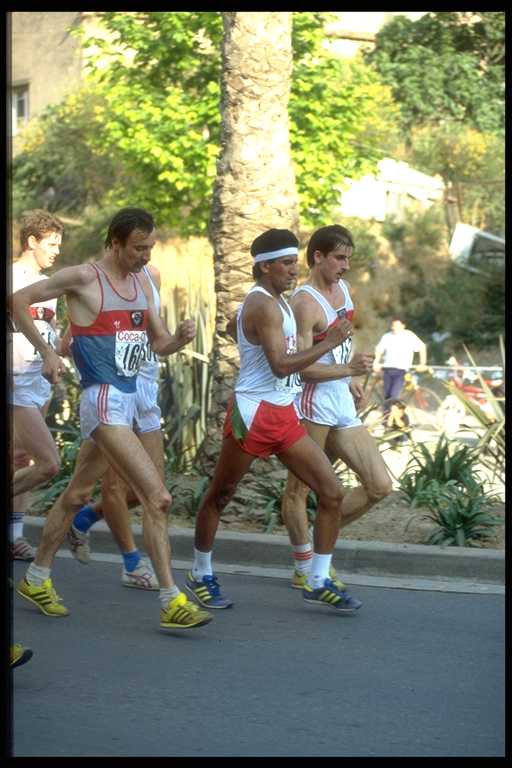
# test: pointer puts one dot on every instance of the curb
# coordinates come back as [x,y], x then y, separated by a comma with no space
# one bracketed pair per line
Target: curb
[371,558]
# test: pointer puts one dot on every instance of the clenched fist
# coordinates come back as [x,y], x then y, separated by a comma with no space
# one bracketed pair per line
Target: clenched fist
[185,332]
[361,363]
[338,332]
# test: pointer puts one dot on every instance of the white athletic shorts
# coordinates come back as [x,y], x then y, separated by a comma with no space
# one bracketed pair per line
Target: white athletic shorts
[30,390]
[147,412]
[105,404]
[329,403]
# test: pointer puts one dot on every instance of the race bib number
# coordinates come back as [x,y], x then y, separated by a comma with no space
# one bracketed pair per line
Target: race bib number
[148,356]
[129,350]
[292,383]
[343,352]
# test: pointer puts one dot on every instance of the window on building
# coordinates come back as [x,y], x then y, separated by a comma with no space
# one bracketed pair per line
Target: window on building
[19,107]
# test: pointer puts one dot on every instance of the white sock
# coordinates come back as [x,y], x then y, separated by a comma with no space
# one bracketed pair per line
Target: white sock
[302,557]
[36,574]
[202,564]
[16,526]
[168,593]
[319,570]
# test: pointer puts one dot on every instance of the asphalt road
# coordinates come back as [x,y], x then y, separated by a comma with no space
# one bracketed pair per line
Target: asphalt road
[412,674]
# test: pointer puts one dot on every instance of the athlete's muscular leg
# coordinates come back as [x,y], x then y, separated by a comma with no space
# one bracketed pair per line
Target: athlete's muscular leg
[153,443]
[114,508]
[90,465]
[308,461]
[117,498]
[33,436]
[19,459]
[128,457]
[357,448]
[293,504]
[232,465]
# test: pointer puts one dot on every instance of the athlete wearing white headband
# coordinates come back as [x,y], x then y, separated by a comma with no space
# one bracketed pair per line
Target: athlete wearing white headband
[269,255]
[262,420]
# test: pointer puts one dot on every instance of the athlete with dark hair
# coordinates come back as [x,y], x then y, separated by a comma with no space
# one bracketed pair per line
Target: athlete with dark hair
[328,401]
[111,313]
[262,420]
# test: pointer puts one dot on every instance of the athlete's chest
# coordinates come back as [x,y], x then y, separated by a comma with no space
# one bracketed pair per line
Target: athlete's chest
[326,308]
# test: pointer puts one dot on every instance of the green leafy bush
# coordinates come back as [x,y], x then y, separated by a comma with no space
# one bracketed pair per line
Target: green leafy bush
[462,519]
[427,472]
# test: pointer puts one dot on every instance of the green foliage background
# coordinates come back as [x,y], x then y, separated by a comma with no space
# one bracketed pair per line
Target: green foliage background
[447,66]
[144,130]
[146,126]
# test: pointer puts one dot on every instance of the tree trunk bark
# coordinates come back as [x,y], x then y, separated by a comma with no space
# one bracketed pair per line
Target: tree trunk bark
[255,185]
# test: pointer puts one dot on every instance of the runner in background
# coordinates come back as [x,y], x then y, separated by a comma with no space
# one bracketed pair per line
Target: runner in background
[34,456]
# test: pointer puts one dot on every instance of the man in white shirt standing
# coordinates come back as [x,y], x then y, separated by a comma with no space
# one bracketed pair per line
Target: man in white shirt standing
[394,354]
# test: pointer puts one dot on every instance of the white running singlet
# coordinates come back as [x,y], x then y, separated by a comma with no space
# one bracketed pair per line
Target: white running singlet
[25,357]
[256,381]
[150,368]
[330,402]
[147,410]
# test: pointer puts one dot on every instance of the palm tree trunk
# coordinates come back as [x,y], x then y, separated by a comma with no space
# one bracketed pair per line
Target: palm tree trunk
[255,185]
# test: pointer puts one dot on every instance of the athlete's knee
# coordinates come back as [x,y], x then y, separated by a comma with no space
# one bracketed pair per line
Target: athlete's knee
[331,497]
[160,502]
[220,497]
[379,490]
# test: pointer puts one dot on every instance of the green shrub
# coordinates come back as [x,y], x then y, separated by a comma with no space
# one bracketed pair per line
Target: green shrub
[428,472]
[462,519]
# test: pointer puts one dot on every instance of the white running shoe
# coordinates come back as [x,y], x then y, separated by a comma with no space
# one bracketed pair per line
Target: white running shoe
[78,543]
[143,577]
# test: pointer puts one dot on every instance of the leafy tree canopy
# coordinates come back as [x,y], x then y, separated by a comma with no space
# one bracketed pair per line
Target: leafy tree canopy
[149,119]
[472,164]
[446,66]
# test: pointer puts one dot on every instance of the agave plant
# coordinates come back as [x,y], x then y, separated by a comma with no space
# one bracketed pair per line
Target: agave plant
[491,433]
[449,463]
[462,519]
[270,494]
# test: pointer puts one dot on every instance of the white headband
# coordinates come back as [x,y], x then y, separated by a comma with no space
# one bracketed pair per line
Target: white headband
[290,250]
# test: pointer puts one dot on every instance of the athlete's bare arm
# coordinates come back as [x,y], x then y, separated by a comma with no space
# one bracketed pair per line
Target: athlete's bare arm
[263,324]
[77,284]
[310,320]
[359,395]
